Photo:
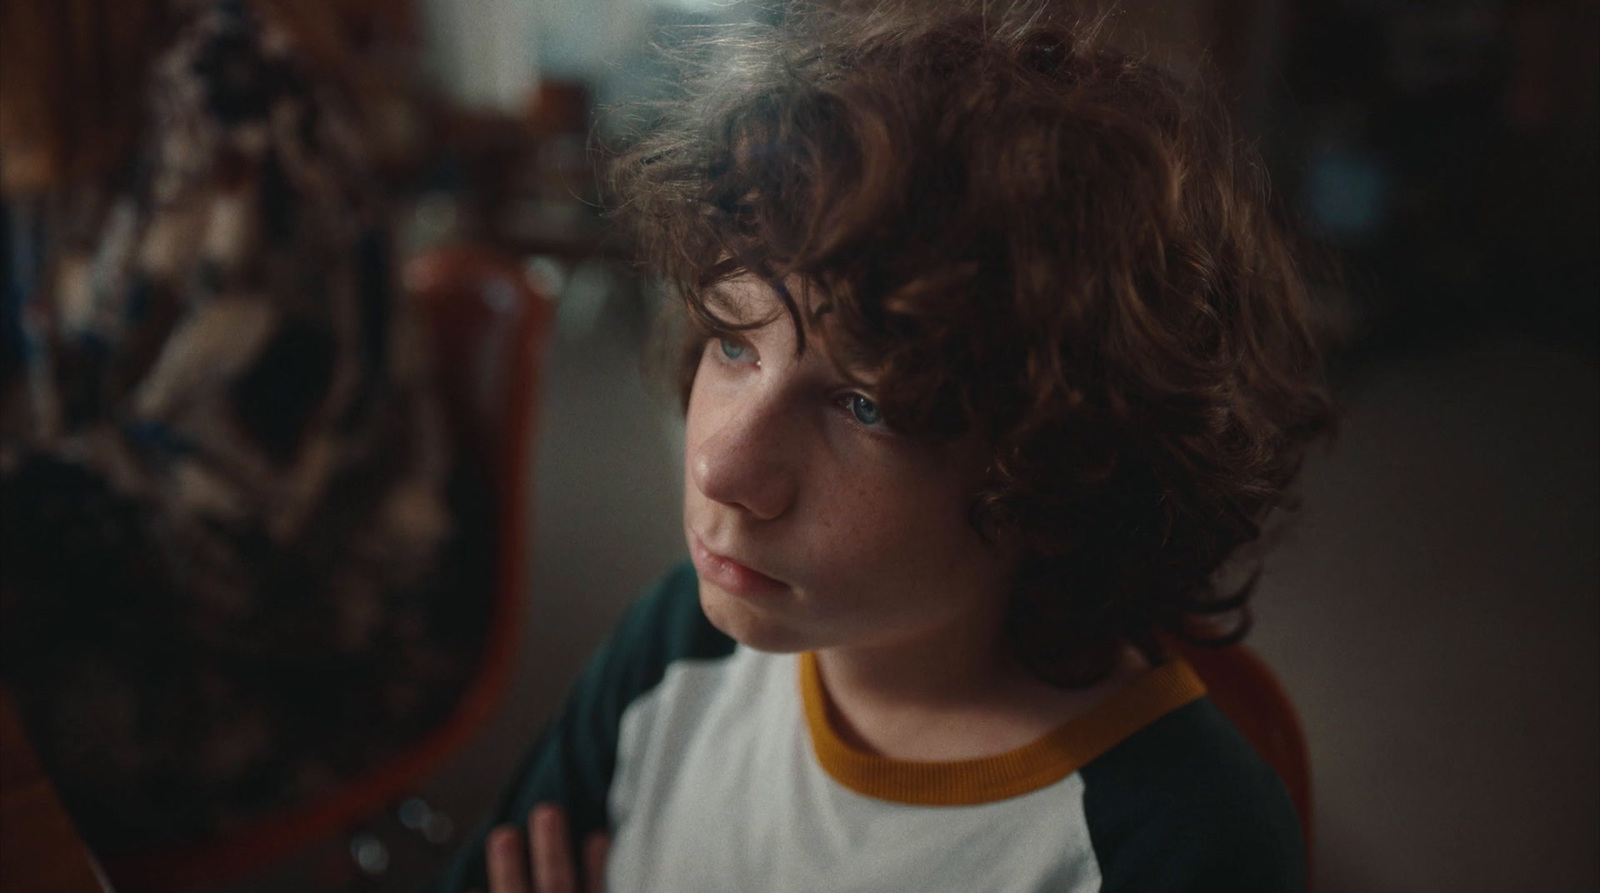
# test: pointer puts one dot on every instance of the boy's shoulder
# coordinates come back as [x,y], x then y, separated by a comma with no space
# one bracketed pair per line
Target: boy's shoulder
[1186,803]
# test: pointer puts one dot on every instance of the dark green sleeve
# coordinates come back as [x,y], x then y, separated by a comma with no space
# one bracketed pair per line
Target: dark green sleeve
[1186,806]
[573,761]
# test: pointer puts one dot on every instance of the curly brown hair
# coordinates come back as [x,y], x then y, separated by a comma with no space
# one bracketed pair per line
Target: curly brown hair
[1031,237]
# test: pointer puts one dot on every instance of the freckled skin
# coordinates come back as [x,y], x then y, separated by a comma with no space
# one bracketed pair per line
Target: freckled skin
[868,530]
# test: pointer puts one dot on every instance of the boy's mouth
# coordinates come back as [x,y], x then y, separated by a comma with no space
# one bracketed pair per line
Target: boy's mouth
[729,574]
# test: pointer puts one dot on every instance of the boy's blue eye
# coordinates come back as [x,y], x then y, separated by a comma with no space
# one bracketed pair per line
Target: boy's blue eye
[732,349]
[864,410]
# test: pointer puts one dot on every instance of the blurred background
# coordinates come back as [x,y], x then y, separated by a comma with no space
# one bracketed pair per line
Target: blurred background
[1434,613]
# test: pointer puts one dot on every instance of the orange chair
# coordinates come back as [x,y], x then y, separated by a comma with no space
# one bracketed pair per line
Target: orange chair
[1246,690]
[39,847]
[489,329]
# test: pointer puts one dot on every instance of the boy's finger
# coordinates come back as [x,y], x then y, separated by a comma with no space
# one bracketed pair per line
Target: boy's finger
[553,871]
[508,867]
[595,849]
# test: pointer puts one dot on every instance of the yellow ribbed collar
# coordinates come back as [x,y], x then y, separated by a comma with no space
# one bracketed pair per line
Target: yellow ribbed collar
[1063,751]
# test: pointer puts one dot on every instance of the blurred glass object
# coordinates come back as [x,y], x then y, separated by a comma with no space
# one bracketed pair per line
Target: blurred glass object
[1347,193]
[414,812]
[484,53]
[547,273]
[438,828]
[434,219]
[370,854]
[588,288]
[435,827]
[491,54]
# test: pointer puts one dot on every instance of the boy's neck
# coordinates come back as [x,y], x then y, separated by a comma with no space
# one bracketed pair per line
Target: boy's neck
[956,694]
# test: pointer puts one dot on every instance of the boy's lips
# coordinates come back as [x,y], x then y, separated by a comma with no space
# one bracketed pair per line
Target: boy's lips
[729,574]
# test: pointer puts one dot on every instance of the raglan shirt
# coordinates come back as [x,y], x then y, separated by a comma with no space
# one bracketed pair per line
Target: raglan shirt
[714,768]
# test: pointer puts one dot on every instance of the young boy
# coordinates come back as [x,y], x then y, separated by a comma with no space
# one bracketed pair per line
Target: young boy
[995,357]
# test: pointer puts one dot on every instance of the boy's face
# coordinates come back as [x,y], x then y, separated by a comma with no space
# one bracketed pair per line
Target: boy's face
[811,524]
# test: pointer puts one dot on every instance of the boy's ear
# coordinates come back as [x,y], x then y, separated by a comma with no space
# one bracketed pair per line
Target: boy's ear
[1002,537]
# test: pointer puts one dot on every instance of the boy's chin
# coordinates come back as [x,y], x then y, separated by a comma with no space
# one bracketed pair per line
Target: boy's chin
[748,624]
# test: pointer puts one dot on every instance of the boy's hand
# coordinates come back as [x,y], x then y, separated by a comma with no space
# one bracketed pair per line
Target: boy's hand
[552,866]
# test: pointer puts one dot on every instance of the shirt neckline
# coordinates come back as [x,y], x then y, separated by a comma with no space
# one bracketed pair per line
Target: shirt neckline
[1043,762]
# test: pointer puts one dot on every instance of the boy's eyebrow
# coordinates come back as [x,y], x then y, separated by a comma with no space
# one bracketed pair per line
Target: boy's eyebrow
[859,372]
[725,306]
[733,309]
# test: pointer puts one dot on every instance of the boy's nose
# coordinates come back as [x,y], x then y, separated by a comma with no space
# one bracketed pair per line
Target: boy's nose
[745,462]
